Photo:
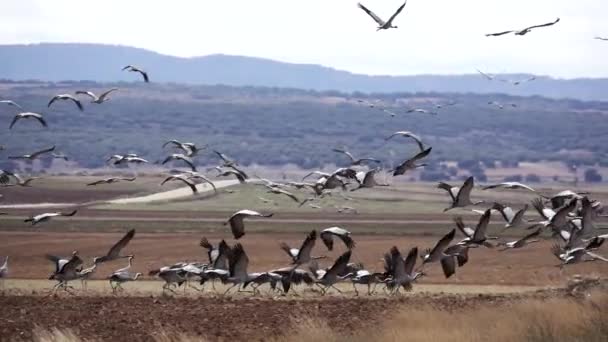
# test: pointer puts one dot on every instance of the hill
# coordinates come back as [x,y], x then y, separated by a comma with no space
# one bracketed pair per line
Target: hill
[103,63]
[277,126]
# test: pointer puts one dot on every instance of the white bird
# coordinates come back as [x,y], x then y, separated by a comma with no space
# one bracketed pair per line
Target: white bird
[364,277]
[408,134]
[556,220]
[369,180]
[402,271]
[34,155]
[488,76]
[132,68]
[66,97]
[238,174]
[411,164]
[28,115]
[85,274]
[238,263]
[5,176]
[4,271]
[11,103]
[479,237]
[131,159]
[522,32]
[183,179]
[116,158]
[509,185]
[118,277]
[279,191]
[575,255]
[560,199]
[332,275]
[214,253]
[21,181]
[302,255]
[513,219]
[421,111]
[374,105]
[383,25]
[179,156]
[172,275]
[114,252]
[189,149]
[344,235]
[60,156]
[97,99]
[47,216]
[353,160]
[526,240]
[518,82]
[65,270]
[461,197]
[438,254]
[237,225]
[500,105]
[111,180]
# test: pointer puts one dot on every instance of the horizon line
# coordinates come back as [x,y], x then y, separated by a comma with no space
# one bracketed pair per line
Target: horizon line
[270,59]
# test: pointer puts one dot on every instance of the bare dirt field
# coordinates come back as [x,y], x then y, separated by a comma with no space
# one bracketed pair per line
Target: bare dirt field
[139,318]
[169,232]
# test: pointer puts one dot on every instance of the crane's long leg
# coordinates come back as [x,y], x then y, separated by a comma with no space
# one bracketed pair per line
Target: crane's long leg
[230,288]
[241,289]
[356,291]
[196,288]
[337,289]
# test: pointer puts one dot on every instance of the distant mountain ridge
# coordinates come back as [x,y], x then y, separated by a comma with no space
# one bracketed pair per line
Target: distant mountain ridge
[103,63]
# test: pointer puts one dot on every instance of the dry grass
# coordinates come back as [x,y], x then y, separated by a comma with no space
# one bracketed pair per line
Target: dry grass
[55,335]
[559,319]
[551,320]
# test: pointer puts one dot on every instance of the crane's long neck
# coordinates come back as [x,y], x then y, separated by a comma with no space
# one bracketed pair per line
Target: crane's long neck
[5,262]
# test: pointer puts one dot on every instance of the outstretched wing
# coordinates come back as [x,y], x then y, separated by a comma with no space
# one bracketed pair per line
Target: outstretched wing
[345,152]
[543,25]
[466,188]
[88,93]
[410,260]
[37,153]
[498,34]
[397,12]
[307,246]
[122,243]
[376,18]
[422,154]
[104,95]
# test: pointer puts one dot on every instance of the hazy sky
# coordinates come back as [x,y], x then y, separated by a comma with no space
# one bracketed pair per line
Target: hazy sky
[434,36]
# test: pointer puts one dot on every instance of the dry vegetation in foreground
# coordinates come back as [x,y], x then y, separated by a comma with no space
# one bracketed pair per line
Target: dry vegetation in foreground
[559,319]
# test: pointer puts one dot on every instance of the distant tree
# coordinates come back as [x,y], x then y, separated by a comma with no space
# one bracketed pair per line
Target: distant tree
[532,178]
[592,176]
